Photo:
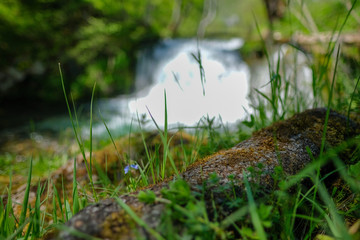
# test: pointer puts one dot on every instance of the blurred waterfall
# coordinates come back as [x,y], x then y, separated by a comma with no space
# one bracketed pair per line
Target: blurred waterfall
[174,66]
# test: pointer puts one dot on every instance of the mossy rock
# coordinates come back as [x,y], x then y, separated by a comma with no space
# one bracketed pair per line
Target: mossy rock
[291,144]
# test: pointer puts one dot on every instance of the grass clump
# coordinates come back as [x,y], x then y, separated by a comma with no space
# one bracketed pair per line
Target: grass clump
[285,211]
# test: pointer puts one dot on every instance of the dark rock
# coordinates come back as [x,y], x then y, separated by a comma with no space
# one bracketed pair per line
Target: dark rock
[284,143]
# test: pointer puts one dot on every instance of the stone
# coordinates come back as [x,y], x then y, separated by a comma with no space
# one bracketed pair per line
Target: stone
[282,144]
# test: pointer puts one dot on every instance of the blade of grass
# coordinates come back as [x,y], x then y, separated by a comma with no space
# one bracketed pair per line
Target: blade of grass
[75,191]
[197,57]
[253,210]
[331,47]
[57,196]
[323,139]
[104,179]
[28,231]
[68,211]
[26,196]
[7,223]
[262,42]
[54,213]
[336,222]
[138,220]
[76,128]
[112,141]
[77,135]
[148,155]
[91,143]
[37,214]
[339,164]
[67,217]
[351,100]
[235,216]
[165,141]
[18,230]
[76,233]
[296,205]
[70,115]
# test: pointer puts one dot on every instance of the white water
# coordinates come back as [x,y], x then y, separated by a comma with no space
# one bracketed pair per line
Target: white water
[170,67]
[229,88]
[223,91]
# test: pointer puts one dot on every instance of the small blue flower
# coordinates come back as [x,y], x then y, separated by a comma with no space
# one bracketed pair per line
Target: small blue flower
[127,167]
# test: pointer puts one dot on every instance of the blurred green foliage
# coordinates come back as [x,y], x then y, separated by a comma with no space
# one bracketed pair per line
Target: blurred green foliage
[99,40]
[313,16]
[94,41]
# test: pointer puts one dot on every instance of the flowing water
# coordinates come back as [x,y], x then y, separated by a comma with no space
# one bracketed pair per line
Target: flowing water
[174,67]
[200,79]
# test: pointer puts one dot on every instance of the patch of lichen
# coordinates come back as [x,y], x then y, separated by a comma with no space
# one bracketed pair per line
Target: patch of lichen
[310,124]
[118,225]
[284,143]
[204,160]
[251,154]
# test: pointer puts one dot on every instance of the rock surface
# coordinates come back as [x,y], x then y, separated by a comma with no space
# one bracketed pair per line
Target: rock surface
[284,143]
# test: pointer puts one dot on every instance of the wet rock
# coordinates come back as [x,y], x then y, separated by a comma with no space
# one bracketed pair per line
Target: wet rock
[284,143]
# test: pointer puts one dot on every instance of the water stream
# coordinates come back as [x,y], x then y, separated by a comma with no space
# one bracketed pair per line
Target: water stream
[174,67]
[200,79]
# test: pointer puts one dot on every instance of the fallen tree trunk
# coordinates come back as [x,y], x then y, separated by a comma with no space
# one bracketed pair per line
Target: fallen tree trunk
[318,43]
[283,144]
[346,38]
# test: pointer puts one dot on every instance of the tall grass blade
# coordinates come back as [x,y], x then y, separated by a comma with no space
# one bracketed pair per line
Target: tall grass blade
[331,47]
[7,223]
[77,136]
[70,115]
[323,139]
[36,215]
[57,196]
[76,233]
[112,139]
[54,208]
[18,230]
[90,158]
[138,220]
[346,19]
[342,169]
[149,157]
[165,141]
[103,177]
[351,100]
[198,59]
[68,211]
[75,191]
[262,42]
[76,128]
[336,222]
[235,216]
[30,227]
[26,196]
[253,210]
[67,217]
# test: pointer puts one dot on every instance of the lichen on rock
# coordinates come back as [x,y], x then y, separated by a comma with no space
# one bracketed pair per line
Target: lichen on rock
[284,144]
